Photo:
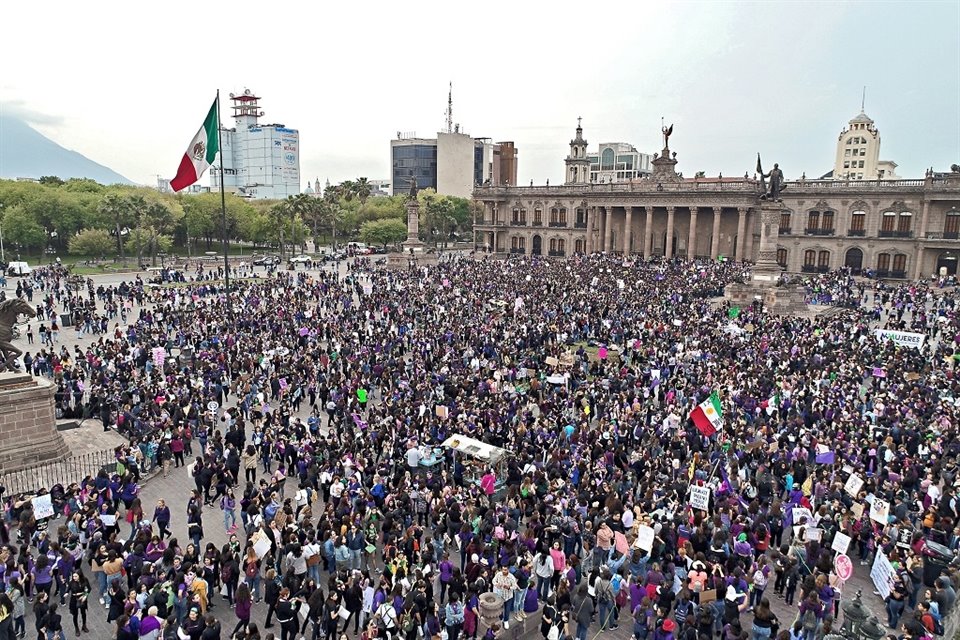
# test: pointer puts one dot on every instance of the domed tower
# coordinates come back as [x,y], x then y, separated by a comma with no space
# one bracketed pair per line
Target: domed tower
[578,166]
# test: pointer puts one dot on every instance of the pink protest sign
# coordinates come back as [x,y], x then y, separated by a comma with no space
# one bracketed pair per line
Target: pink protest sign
[843,566]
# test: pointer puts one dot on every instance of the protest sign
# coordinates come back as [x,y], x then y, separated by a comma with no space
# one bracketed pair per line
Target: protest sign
[879,510]
[813,534]
[551,361]
[902,338]
[108,519]
[700,498]
[799,513]
[843,566]
[42,506]
[853,485]
[841,542]
[644,539]
[442,411]
[882,574]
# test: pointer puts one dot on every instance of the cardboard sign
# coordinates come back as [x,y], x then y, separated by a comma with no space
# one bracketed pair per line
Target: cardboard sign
[857,510]
[708,596]
[843,566]
[442,411]
[853,485]
[814,534]
[799,513]
[700,498]
[551,361]
[841,542]
[42,506]
[645,536]
[880,511]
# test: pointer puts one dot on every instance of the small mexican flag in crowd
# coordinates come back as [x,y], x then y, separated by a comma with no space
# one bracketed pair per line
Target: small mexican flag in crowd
[707,417]
[734,312]
[200,152]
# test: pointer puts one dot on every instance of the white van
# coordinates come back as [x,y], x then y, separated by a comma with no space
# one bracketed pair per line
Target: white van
[19,269]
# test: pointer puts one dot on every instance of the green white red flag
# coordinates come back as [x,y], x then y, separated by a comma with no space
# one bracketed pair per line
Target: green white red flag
[200,152]
[707,416]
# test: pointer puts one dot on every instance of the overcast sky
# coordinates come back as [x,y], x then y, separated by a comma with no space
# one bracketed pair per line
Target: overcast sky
[128,83]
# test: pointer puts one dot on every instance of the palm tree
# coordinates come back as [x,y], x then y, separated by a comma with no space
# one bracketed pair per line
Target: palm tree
[117,208]
[362,188]
[279,213]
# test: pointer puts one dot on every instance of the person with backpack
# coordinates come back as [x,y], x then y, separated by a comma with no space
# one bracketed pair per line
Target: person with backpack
[644,619]
[454,615]
[763,621]
[603,588]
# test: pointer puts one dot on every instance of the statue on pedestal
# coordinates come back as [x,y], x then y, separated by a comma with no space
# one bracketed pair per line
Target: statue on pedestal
[776,182]
[9,310]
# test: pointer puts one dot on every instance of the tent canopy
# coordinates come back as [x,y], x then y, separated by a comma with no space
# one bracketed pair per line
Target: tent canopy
[475,448]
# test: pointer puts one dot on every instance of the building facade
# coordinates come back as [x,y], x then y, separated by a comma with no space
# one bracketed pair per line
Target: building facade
[895,228]
[858,153]
[412,157]
[453,163]
[618,162]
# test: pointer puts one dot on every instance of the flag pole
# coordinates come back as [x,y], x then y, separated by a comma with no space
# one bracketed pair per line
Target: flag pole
[226,243]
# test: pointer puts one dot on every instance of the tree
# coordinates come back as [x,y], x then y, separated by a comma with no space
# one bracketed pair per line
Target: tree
[383,232]
[51,181]
[119,211]
[362,188]
[91,242]
[21,228]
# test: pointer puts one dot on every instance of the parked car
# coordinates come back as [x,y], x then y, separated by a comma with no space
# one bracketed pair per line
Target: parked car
[333,256]
[19,269]
[266,261]
[302,259]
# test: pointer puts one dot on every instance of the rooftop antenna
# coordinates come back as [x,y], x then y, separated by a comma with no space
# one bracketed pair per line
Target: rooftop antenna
[863,100]
[449,113]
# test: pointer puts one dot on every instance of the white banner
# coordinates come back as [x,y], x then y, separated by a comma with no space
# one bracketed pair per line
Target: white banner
[902,338]
[700,498]
[882,574]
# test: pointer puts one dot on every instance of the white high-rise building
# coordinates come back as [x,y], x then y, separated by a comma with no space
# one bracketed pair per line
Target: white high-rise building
[858,153]
[260,161]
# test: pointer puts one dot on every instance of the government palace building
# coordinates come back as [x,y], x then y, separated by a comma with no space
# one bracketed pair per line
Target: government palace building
[861,215]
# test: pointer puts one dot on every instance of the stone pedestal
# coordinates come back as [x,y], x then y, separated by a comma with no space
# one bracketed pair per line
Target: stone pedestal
[28,428]
[412,252]
[491,611]
[766,271]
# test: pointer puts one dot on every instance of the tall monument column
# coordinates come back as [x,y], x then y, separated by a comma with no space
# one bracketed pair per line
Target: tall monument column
[668,249]
[751,225]
[648,234]
[767,270]
[741,232]
[627,229]
[692,238]
[607,229]
[715,241]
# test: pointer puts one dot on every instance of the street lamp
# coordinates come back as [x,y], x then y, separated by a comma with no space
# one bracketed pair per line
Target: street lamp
[854,615]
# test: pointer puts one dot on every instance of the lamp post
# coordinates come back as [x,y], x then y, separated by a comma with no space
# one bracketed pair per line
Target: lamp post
[3,257]
[854,615]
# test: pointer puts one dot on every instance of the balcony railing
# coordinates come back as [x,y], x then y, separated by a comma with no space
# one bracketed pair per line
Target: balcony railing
[537,223]
[943,235]
[519,223]
[556,253]
[580,225]
[818,232]
[894,234]
[517,250]
[856,233]
[784,231]
[558,224]
[813,268]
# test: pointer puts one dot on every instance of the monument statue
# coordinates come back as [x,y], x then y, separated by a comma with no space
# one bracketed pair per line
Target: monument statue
[9,310]
[776,182]
[667,132]
[413,186]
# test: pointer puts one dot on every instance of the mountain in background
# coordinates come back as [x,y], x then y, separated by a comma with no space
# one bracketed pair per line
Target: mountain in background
[27,153]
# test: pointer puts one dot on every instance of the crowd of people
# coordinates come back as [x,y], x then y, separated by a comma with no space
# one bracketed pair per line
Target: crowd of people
[309,409]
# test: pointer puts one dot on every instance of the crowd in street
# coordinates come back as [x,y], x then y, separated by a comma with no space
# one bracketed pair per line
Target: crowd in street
[310,407]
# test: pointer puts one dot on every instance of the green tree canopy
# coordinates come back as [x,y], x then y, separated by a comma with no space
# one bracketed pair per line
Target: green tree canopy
[383,232]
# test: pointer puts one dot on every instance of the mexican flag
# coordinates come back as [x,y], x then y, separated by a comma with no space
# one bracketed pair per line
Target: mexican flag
[200,152]
[707,417]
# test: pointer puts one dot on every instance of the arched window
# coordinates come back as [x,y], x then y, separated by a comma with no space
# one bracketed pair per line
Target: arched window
[538,216]
[858,221]
[580,246]
[951,224]
[516,215]
[899,266]
[785,223]
[904,223]
[823,261]
[883,264]
[826,222]
[809,260]
[554,212]
[563,216]
[607,160]
[782,257]
[888,223]
[813,221]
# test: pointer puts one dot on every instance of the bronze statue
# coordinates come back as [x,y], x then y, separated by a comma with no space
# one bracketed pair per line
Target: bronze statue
[413,186]
[776,182]
[667,132]
[9,310]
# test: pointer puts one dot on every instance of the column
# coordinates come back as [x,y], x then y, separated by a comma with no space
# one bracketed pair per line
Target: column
[751,223]
[924,220]
[648,234]
[741,232]
[607,230]
[715,242]
[627,226]
[668,249]
[590,219]
[692,238]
